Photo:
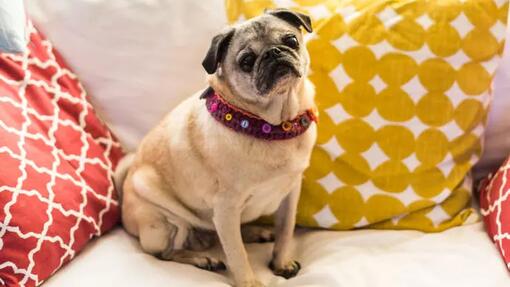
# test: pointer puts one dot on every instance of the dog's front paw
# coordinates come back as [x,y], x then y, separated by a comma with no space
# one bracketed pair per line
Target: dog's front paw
[254,283]
[286,271]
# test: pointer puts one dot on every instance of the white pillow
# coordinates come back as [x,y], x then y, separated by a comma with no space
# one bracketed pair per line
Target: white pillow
[12,26]
[138,58]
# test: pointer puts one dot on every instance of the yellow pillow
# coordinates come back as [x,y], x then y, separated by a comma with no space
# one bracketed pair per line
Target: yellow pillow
[403,88]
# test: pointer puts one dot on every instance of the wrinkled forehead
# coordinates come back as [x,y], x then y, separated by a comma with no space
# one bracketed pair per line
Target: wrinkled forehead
[261,30]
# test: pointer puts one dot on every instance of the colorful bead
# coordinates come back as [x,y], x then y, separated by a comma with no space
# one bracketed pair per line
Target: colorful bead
[305,121]
[245,124]
[286,126]
[266,128]
[214,107]
[228,117]
[314,114]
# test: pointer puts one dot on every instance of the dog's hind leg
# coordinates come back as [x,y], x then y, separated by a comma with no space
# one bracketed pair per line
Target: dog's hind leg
[164,236]
[197,259]
[257,233]
[156,235]
[168,242]
[201,240]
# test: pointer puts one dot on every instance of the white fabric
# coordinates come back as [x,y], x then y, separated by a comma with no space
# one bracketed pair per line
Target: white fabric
[138,58]
[12,26]
[462,256]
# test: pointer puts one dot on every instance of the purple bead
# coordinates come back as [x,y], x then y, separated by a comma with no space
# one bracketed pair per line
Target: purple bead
[214,107]
[266,128]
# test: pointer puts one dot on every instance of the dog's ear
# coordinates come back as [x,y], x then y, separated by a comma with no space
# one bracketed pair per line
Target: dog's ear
[295,18]
[216,52]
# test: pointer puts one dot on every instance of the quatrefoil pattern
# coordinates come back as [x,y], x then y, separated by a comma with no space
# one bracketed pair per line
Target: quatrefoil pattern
[56,162]
[495,206]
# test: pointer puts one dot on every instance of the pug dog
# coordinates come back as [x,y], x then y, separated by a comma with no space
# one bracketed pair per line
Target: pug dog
[229,154]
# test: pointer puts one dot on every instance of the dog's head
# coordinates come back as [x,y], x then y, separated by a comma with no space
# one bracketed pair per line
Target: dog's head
[261,58]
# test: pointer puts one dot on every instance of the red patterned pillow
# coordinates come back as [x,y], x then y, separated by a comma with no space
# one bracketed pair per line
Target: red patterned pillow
[495,205]
[56,161]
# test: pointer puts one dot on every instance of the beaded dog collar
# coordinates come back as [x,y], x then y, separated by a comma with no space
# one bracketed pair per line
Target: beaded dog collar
[249,124]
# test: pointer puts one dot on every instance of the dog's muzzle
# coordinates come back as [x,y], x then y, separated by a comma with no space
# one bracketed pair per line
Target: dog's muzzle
[275,64]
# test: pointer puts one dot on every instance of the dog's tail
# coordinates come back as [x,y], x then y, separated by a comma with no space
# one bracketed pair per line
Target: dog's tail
[121,172]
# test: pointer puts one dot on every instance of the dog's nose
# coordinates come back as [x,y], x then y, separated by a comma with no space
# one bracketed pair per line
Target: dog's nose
[273,52]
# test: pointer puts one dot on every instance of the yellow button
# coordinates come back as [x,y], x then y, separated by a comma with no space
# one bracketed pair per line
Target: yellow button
[286,126]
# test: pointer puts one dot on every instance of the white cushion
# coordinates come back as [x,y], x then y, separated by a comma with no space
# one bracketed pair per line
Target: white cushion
[12,26]
[462,256]
[138,58]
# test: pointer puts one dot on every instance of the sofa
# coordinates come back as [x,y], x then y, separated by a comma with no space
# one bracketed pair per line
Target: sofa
[139,59]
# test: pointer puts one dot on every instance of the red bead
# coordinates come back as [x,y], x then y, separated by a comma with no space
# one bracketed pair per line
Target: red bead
[214,107]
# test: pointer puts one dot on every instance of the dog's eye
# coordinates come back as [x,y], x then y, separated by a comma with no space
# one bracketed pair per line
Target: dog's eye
[291,41]
[247,62]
